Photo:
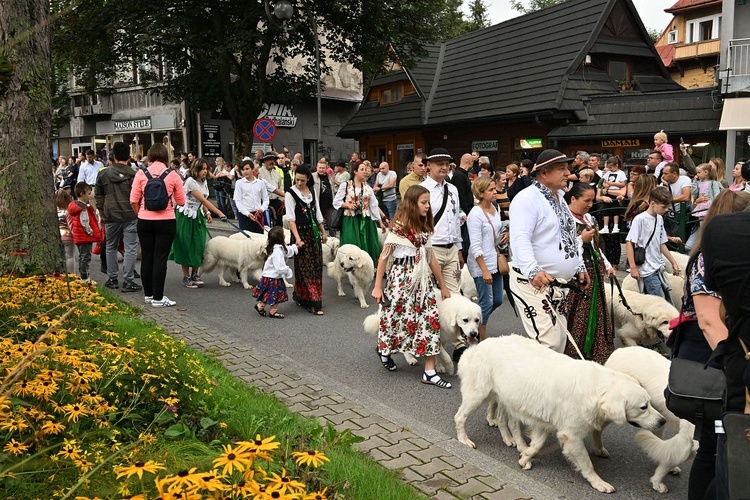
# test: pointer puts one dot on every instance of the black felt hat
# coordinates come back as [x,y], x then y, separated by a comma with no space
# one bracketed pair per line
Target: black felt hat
[439,154]
[270,156]
[547,158]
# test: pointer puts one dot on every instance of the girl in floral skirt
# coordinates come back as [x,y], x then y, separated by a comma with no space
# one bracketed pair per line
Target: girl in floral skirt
[271,290]
[409,316]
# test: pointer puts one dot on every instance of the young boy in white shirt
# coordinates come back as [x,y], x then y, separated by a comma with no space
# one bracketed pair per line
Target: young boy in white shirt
[647,231]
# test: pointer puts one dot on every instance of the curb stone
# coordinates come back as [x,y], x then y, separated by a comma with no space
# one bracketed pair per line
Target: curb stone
[436,465]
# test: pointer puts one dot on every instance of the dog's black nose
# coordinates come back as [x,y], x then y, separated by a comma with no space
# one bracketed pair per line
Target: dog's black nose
[662,421]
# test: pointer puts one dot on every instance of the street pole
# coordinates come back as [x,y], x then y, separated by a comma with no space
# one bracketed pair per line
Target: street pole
[314,26]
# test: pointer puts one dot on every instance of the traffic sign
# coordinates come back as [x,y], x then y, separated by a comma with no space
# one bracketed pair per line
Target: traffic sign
[264,130]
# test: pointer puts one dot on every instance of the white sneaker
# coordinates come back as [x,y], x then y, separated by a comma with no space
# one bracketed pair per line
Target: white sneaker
[164,302]
[604,230]
[615,229]
[148,299]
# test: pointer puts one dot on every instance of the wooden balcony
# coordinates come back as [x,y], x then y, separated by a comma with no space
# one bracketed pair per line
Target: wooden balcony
[696,50]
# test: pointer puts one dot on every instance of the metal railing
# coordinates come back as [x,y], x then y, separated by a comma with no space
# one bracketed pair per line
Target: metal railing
[739,57]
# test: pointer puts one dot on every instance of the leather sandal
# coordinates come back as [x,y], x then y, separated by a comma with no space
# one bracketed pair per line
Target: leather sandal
[389,364]
[435,380]
[262,312]
[275,314]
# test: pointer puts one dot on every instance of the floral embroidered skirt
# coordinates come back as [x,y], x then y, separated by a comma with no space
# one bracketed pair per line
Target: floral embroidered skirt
[189,241]
[271,291]
[577,309]
[410,324]
[308,270]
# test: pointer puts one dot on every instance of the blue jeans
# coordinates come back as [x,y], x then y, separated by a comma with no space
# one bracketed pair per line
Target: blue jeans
[221,201]
[652,285]
[490,295]
[389,207]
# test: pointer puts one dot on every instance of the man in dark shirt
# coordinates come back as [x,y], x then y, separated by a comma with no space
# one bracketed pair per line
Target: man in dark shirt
[462,182]
[725,243]
[323,190]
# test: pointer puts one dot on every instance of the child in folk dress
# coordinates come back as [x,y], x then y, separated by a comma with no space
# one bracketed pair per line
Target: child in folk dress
[410,323]
[271,290]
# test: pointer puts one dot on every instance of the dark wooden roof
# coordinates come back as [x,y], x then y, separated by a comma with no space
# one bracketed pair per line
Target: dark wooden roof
[529,66]
[632,114]
[373,118]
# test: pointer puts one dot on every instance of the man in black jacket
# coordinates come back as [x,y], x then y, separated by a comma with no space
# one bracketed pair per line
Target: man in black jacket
[462,182]
[113,201]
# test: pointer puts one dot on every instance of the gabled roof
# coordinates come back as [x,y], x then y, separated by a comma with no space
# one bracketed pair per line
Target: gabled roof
[635,115]
[521,67]
[666,52]
[683,5]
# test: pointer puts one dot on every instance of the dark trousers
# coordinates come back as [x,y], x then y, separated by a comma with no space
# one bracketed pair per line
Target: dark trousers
[704,465]
[84,259]
[248,224]
[156,237]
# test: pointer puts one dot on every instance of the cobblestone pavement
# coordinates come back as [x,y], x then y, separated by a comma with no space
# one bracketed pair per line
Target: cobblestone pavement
[433,463]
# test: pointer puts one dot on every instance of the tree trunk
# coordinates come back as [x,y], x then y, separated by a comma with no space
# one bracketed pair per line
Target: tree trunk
[29,234]
[243,133]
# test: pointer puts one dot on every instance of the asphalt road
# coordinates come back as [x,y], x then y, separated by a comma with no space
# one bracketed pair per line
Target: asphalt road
[335,347]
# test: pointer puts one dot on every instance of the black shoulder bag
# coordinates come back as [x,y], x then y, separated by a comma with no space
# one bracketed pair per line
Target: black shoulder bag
[439,214]
[639,253]
[338,215]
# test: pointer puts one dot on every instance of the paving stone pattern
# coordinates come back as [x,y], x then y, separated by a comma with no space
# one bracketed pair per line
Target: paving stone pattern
[424,463]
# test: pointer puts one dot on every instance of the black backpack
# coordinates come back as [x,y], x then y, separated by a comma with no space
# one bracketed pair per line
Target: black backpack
[155,196]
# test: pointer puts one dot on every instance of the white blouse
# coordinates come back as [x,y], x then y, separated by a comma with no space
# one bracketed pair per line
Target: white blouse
[347,193]
[483,238]
[276,266]
[291,204]
[192,204]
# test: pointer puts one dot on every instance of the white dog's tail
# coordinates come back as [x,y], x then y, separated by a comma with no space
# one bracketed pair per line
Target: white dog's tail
[674,450]
[371,323]
[210,260]
[331,266]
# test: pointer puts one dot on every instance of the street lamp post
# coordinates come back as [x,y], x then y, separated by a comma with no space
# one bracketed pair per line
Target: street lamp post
[283,10]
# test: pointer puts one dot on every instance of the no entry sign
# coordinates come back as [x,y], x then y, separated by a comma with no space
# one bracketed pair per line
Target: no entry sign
[264,130]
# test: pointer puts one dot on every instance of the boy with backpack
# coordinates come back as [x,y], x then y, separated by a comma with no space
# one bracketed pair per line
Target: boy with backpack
[646,245]
[82,222]
[156,191]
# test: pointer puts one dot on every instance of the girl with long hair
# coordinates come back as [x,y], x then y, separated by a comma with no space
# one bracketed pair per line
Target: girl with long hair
[191,217]
[271,289]
[409,318]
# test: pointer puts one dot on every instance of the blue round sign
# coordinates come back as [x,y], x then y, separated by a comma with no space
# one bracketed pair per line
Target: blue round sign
[264,130]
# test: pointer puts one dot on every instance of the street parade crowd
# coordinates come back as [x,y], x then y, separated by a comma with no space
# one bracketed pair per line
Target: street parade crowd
[546,234]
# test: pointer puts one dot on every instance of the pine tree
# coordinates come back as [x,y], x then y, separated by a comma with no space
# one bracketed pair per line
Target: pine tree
[478,18]
[534,5]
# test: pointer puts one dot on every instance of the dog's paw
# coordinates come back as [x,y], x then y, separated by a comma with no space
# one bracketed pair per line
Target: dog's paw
[676,471]
[601,452]
[224,283]
[410,360]
[364,305]
[468,442]
[525,463]
[660,487]
[342,294]
[603,486]
[491,421]
[247,286]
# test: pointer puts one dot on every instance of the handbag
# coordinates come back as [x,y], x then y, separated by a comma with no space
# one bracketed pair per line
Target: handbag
[695,391]
[639,253]
[502,261]
[337,215]
[737,445]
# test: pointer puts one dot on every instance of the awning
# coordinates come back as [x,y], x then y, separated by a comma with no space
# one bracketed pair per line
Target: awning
[736,114]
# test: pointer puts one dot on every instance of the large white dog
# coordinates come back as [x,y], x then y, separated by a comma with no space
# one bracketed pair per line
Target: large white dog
[675,294]
[467,286]
[330,247]
[239,254]
[651,370]
[550,392]
[459,318]
[355,264]
[650,317]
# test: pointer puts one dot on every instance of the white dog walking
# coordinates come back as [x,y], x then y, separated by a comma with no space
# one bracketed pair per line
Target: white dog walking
[355,264]
[550,392]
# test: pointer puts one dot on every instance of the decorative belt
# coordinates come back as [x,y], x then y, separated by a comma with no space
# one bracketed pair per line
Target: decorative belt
[447,245]
[403,260]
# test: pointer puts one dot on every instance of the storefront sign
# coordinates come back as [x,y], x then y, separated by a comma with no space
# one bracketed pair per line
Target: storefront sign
[405,147]
[623,143]
[280,114]
[484,146]
[131,125]
[531,143]
[210,139]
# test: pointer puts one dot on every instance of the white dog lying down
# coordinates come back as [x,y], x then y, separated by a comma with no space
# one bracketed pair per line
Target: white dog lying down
[651,370]
[237,255]
[675,294]
[459,318]
[355,264]
[550,392]
[650,317]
